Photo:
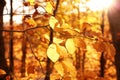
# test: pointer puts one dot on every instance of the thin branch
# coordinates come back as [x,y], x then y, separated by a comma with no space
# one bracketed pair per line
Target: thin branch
[33,52]
[56,8]
[24,30]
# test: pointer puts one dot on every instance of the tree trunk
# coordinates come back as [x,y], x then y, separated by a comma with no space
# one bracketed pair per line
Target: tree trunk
[114,20]
[11,42]
[3,63]
[23,56]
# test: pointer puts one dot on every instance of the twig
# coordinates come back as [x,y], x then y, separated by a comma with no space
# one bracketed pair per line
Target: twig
[24,30]
[33,52]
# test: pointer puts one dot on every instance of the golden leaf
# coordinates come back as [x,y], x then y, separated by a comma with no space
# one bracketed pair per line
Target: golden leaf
[31,2]
[2,72]
[99,46]
[80,43]
[51,2]
[69,67]
[59,68]
[49,8]
[110,51]
[52,53]
[31,22]
[62,51]
[31,69]
[53,22]
[70,45]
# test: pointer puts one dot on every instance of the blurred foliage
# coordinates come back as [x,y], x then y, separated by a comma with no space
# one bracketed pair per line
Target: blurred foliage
[77,42]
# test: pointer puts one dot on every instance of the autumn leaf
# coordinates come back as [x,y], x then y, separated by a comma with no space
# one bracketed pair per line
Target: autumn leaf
[2,72]
[52,53]
[53,22]
[31,22]
[59,68]
[70,45]
[31,2]
[99,46]
[69,67]
[49,8]
[62,51]
[31,69]
[110,51]
[80,43]
[51,2]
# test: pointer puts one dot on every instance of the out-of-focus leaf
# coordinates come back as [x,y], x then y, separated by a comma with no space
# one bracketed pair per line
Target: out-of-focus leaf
[57,40]
[53,22]
[99,46]
[49,8]
[109,51]
[2,72]
[31,69]
[31,22]
[59,68]
[51,2]
[69,67]
[31,2]
[52,53]
[70,45]
[80,43]
[90,75]
[65,26]
[62,51]
[86,27]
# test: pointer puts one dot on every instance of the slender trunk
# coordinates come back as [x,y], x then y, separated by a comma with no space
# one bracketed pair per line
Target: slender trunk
[11,42]
[23,56]
[3,64]
[114,21]
[49,65]
[102,60]
[102,65]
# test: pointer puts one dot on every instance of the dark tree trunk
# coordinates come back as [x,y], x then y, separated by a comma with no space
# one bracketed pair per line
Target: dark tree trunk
[3,64]
[102,59]
[11,42]
[114,20]
[23,56]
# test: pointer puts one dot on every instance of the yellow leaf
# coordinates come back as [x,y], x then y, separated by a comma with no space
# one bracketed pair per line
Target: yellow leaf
[49,8]
[62,51]
[2,72]
[31,22]
[70,45]
[57,40]
[31,2]
[52,53]
[80,43]
[53,22]
[59,68]
[68,65]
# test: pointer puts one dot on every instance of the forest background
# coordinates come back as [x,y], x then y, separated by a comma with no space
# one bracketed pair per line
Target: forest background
[57,40]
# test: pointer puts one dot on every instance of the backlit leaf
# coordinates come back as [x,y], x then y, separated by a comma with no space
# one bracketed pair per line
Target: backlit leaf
[2,72]
[70,45]
[69,67]
[49,8]
[99,46]
[110,51]
[52,53]
[31,2]
[80,43]
[53,22]
[58,66]
[62,51]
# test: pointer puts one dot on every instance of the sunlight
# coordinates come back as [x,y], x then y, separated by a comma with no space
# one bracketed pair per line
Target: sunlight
[97,5]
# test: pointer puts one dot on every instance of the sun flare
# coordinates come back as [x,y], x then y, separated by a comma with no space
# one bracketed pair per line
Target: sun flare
[96,5]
